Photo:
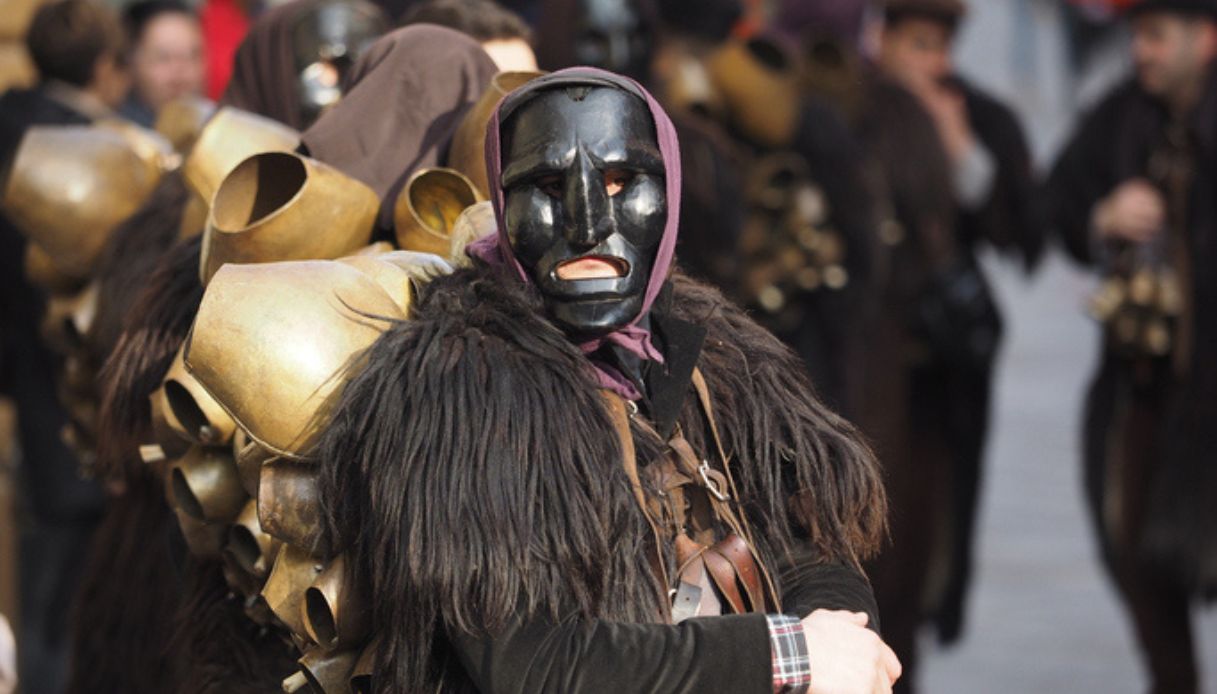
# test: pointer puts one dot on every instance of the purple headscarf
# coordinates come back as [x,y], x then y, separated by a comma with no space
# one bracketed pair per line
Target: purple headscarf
[496,249]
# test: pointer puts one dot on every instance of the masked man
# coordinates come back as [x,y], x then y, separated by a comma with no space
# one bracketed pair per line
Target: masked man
[574,470]
[316,42]
[618,35]
[1132,194]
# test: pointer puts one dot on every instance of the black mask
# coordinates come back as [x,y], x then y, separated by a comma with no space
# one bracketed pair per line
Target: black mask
[326,41]
[613,35]
[585,203]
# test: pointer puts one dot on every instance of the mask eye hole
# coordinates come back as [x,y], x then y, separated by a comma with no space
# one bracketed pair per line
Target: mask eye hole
[617,179]
[551,185]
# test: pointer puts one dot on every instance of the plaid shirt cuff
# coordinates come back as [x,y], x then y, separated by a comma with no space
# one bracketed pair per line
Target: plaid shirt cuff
[791,663]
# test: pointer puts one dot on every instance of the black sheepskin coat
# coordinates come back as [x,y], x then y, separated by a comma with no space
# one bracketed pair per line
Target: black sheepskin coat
[472,474]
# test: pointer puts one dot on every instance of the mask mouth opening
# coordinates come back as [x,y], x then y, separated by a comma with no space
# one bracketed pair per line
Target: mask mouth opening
[592,267]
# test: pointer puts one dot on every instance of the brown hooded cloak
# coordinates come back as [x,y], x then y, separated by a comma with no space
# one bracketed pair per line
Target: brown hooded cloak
[404,99]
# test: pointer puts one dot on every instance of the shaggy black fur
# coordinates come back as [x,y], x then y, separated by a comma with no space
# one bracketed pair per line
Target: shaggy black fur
[150,619]
[157,322]
[130,257]
[216,648]
[1174,522]
[123,611]
[145,622]
[447,406]
[472,471]
[118,636]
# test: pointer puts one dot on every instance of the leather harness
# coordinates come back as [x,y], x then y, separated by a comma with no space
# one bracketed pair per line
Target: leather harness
[694,511]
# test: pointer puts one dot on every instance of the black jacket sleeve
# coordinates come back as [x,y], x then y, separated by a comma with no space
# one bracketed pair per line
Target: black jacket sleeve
[729,653]
[809,585]
[576,656]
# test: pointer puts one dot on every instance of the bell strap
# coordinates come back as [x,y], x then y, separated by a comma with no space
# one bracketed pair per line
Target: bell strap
[713,488]
[694,496]
[704,561]
[739,556]
[729,565]
[707,410]
[731,561]
[741,527]
[621,422]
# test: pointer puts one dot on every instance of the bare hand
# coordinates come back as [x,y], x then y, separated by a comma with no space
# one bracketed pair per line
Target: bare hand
[846,657]
[1135,211]
[949,111]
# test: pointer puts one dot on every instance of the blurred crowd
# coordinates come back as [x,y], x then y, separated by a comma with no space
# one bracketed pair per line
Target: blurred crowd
[841,177]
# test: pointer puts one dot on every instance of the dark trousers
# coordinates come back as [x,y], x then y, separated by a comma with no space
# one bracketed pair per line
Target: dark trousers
[1123,426]
[57,512]
[51,562]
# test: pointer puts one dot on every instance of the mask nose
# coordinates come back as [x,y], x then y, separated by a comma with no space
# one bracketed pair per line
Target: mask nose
[587,206]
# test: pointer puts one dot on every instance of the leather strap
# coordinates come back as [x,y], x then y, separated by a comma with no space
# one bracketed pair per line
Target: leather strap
[629,460]
[736,551]
[699,561]
[731,561]
[696,501]
[707,409]
[740,525]
[723,574]
[702,507]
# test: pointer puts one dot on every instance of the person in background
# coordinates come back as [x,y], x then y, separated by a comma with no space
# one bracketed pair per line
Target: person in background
[991,162]
[78,48]
[1132,194]
[615,35]
[1088,23]
[503,35]
[296,58]
[774,172]
[166,57]
[950,327]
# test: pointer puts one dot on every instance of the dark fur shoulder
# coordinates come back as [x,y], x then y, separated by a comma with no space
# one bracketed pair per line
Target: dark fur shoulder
[804,471]
[477,397]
